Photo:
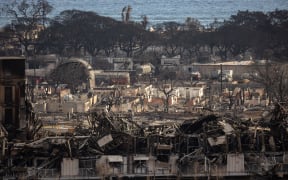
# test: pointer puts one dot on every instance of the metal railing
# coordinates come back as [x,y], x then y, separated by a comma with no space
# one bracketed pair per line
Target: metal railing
[48,173]
[87,172]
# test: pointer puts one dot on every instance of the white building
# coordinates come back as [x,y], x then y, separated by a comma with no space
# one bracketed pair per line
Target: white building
[173,61]
[121,63]
[178,92]
[190,92]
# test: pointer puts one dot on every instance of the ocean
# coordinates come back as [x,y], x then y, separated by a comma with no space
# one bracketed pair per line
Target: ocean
[159,11]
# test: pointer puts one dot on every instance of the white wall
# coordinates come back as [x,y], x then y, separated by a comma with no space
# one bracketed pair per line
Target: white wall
[70,167]
[191,92]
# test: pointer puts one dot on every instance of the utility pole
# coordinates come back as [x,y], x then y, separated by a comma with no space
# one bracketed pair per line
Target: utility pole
[221,77]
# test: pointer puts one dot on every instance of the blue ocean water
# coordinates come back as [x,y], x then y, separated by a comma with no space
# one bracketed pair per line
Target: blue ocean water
[159,11]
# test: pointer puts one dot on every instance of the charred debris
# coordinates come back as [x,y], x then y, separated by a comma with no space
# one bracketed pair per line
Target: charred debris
[105,144]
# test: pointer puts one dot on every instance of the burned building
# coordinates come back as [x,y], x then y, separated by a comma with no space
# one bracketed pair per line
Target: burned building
[99,143]
[12,93]
[154,145]
[109,78]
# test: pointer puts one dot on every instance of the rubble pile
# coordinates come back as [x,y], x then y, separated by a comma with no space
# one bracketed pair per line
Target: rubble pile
[208,145]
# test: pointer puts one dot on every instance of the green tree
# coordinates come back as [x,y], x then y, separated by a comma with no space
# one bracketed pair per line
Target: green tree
[191,42]
[169,32]
[131,38]
[89,32]
[279,40]
[28,19]
[192,24]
